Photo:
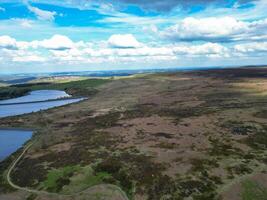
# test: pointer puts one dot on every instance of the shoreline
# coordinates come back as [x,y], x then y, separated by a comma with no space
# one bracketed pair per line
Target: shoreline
[28,129]
[16,129]
[49,100]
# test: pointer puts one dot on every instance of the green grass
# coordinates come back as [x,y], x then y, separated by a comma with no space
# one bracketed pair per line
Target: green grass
[57,178]
[71,179]
[84,178]
[82,84]
[58,79]
[253,191]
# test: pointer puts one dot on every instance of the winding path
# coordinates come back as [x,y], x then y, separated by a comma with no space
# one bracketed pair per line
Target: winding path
[13,165]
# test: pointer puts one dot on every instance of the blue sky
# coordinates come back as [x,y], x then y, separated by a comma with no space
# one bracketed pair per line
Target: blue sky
[74,35]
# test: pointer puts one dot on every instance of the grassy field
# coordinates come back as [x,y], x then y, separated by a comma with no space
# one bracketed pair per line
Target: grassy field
[59,79]
[192,135]
[72,179]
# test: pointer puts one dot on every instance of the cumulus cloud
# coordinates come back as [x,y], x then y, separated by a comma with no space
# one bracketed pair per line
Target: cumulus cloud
[61,49]
[6,42]
[56,42]
[20,55]
[224,29]
[144,52]
[123,41]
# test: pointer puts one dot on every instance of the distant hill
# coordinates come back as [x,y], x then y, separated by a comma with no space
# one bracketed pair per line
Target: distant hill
[12,81]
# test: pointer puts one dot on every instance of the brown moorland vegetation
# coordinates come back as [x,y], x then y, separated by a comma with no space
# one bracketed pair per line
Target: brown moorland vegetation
[185,135]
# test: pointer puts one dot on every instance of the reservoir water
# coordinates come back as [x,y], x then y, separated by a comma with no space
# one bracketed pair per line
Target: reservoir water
[38,95]
[19,109]
[11,140]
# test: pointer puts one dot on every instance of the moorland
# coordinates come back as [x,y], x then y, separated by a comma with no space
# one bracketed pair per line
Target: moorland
[198,135]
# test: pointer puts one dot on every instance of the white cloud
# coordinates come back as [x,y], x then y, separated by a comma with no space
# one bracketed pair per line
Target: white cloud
[145,51]
[251,47]
[6,42]
[206,49]
[142,53]
[20,55]
[59,49]
[41,14]
[25,23]
[150,29]
[28,58]
[56,42]
[224,29]
[123,41]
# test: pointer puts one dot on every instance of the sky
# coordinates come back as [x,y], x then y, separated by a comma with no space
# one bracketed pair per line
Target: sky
[77,35]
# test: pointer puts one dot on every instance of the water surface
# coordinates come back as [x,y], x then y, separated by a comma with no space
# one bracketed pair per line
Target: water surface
[19,109]
[11,140]
[38,95]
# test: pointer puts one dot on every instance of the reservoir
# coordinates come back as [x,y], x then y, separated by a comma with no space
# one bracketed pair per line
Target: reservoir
[24,108]
[11,139]
[38,95]
[34,102]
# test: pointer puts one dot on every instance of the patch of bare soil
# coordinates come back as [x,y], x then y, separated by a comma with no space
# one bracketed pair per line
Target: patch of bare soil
[260,178]
[234,193]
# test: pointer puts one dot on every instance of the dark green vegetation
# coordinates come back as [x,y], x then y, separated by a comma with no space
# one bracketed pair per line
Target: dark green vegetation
[11,92]
[253,191]
[32,197]
[77,88]
[202,187]
[162,136]
[241,128]
[259,139]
